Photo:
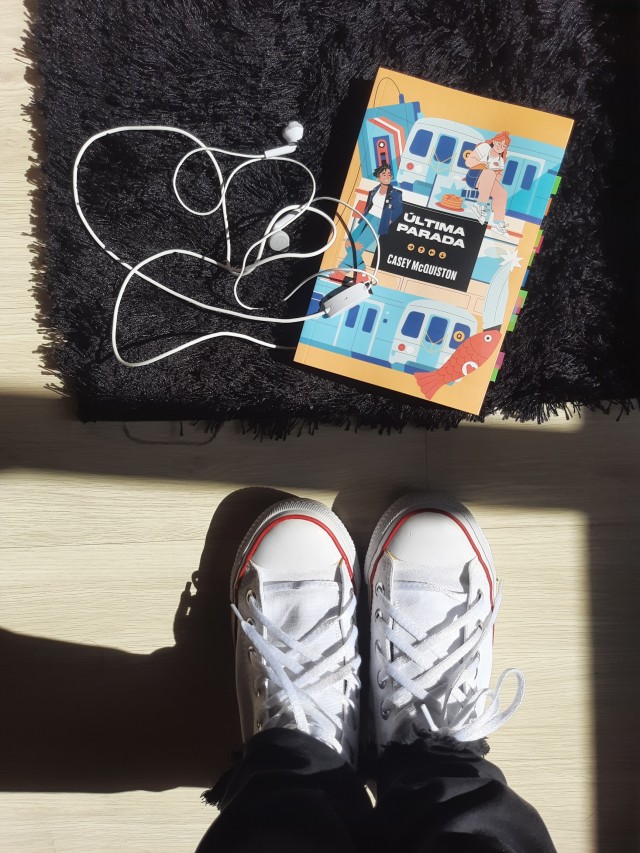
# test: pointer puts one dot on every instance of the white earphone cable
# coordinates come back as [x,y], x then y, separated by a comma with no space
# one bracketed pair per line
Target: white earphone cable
[292,213]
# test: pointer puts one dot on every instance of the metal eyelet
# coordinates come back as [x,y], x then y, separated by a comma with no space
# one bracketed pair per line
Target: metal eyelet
[379,588]
[250,621]
[250,596]
[250,653]
[384,712]
[378,614]
[258,725]
[381,684]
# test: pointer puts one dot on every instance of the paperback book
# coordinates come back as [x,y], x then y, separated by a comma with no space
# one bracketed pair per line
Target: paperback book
[456,188]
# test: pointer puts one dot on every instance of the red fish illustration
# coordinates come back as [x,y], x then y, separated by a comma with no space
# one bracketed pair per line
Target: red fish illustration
[469,356]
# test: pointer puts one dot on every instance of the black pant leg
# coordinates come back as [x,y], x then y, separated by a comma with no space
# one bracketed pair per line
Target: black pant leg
[290,792]
[443,797]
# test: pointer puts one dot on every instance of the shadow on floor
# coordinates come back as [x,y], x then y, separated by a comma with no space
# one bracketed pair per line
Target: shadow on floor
[85,718]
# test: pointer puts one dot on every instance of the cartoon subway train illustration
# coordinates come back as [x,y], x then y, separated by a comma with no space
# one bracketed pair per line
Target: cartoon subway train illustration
[433,164]
[428,333]
[392,329]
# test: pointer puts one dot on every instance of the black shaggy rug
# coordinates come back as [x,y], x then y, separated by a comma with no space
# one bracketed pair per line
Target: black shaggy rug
[234,72]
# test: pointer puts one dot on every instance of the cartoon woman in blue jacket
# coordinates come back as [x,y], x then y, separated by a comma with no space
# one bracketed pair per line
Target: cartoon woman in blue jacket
[382,209]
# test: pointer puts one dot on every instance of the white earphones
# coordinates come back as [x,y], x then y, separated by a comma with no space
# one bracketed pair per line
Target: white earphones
[275,236]
[292,134]
[279,240]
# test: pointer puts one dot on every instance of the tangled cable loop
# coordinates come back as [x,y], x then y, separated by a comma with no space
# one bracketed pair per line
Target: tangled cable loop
[289,213]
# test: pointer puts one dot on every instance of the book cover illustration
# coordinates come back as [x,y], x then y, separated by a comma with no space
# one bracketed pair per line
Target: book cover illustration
[457,187]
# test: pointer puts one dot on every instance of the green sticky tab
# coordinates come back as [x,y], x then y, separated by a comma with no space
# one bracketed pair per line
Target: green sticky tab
[532,258]
[512,322]
[523,296]
[494,375]
[538,239]
[556,184]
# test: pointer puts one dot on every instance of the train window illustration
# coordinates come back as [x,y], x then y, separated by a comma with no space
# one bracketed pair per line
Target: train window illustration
[444,149]
[352,315]
[421,143]
[369,320]
[529,175]
[460,333]
[509,172]
[466,146]
[436,330]
[413,324]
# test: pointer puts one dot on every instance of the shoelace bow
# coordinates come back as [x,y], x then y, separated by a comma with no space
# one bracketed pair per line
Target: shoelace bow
[299,674]
[447,682]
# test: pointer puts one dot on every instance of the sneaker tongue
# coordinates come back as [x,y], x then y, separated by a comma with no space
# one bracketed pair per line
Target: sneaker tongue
[447,576]
[298,606]
[434,604]
[427,606]
[304,572]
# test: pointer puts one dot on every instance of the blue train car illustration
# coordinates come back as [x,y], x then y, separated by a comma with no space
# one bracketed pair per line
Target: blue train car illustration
[433,163]
[435,146]
[391,329]
[428,333]
[364,331]
[529,179]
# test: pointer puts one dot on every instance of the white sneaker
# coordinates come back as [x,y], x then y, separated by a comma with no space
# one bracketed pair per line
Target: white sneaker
[480,212]
[500,228]
[293,588]
[434,600]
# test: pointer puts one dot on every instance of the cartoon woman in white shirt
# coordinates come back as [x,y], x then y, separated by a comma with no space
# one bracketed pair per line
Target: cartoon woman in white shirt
[489,158]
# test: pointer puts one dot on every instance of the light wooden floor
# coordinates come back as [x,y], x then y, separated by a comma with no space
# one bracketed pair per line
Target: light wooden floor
[109,729]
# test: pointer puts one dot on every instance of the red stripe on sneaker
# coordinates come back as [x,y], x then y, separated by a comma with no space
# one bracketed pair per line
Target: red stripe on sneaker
[290,518]
[448,515]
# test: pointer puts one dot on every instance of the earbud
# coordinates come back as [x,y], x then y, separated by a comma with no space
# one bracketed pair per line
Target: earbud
[292,134]
[279,241]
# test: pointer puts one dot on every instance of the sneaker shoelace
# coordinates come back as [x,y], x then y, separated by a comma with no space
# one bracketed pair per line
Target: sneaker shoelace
[307,680]
[444,697]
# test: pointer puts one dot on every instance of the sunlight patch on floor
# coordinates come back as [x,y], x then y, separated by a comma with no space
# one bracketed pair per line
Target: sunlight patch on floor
[556,423]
